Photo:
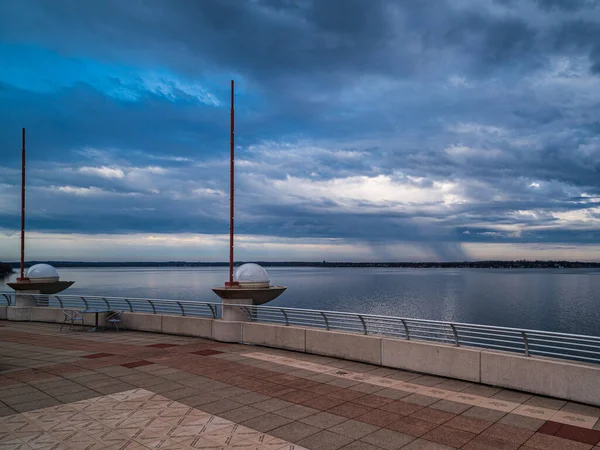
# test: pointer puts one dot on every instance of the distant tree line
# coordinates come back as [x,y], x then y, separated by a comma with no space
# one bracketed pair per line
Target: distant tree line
[523,264]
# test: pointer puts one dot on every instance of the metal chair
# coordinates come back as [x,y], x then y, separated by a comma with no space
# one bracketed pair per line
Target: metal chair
[72,317]
[115,319]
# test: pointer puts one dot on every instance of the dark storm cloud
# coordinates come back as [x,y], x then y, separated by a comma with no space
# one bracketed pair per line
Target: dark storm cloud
[484,115]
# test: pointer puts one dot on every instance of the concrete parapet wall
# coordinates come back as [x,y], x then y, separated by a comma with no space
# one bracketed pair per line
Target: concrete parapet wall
[3,313]
[187,326]
[355,347]
[562,379]
[224,331]
[278,336]
[142,322]
[437,359]
[44,314]
[18,313]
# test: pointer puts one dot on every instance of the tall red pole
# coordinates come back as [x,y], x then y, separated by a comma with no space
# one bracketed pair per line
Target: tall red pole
[22,277]
[231,186]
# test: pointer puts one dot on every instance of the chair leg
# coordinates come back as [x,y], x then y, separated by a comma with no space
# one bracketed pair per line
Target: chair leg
[63,324]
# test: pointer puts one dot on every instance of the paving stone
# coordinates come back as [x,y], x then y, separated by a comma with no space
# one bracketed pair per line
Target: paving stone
[577,408]
[433,415]
[419,399]
[294,431]
[412,426]
[298,396]
[242,414]
[181,393]
[403,375]
[423,444]
[114,388]
[388,439]
[401,407]
[545,402]
[347,394]
[367,388]
[471,424]
[360,445]
[454,385]
[267,422]
[77,396]
[296,412]
[379,417]
[394,394]
[512,396]
[220,406]
[38,404]
[323,420]
[26,398]
[343,383]
[487,443]
[547,442]
[350,410]
[528,423]
[231,391]
[251,398]
[450,406]
[325,440]
[198,400]
[481,390]
[449,436]
[322,403]
[271,405]
[373,401]
[489,415]
[6,411]
[428,380]
[354,429]
[18,392]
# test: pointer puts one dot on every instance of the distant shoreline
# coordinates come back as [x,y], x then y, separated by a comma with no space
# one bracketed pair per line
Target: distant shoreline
[417,265]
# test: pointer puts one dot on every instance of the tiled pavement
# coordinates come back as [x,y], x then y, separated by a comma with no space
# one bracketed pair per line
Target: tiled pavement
[135,390]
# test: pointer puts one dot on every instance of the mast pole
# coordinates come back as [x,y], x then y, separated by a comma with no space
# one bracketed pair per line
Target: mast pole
[22,277]
[231,186]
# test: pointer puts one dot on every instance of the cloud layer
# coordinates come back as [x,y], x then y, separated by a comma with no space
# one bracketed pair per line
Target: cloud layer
[401,130]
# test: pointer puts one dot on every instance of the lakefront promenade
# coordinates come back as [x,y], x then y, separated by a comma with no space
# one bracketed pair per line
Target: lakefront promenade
[139,390]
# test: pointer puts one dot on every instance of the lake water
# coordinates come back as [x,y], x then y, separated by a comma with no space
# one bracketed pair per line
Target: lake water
[544,299]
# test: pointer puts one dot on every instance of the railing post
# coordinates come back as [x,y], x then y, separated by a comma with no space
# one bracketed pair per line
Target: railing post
[287,322]
[85,301]
[455,334]
[59,301]
[406,329]
[181,307]
[247,311]
[362,319]
[325,319]
[107,304]
[7,297]
[212,310]
[153,307]
[129,303]
[525,343]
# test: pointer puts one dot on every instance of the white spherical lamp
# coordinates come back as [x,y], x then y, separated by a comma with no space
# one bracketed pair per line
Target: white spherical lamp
[42,272]
[252,275]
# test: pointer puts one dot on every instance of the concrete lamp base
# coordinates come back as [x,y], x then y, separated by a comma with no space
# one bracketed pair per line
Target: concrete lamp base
[245,296]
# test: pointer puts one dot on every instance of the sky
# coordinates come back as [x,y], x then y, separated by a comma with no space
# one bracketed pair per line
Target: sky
[366,130]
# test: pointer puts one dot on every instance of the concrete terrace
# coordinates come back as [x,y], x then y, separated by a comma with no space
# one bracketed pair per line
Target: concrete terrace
[135,390]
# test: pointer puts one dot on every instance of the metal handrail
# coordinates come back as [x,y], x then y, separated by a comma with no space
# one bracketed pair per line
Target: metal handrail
[519,340]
